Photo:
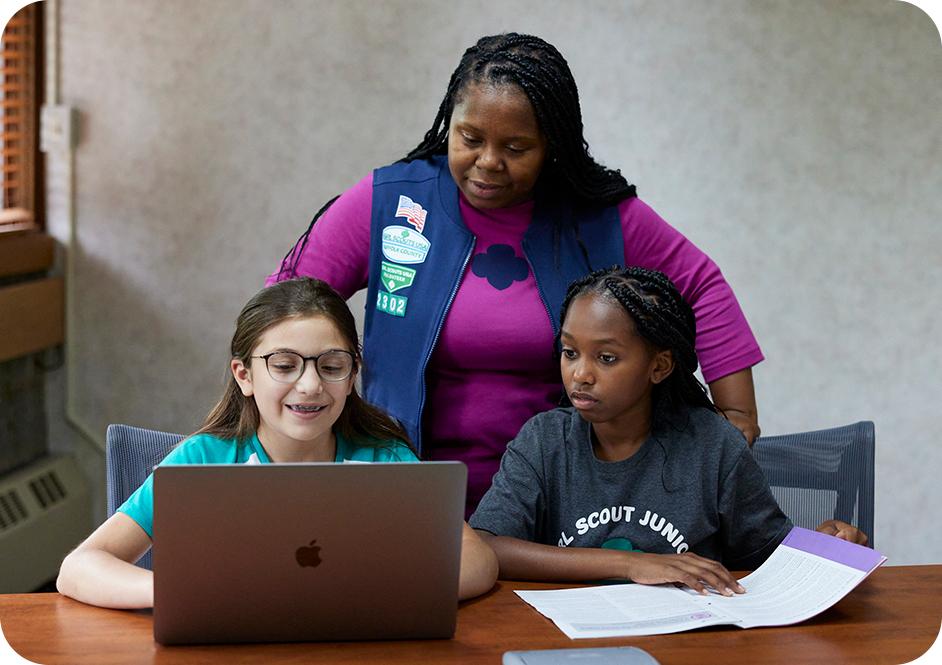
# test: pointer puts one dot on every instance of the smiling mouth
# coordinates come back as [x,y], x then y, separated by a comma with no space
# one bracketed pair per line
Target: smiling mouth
[484,188]
[306,408]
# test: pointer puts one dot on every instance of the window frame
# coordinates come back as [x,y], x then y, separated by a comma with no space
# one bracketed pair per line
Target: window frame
[21,98]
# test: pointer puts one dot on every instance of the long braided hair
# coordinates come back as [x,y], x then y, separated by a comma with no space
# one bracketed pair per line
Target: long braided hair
[543,74]
[662,317]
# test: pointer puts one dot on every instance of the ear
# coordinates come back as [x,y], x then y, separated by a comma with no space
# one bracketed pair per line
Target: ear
[243,376]
[662,364]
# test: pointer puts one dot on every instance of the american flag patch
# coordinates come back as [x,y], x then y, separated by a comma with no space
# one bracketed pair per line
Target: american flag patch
[412,211]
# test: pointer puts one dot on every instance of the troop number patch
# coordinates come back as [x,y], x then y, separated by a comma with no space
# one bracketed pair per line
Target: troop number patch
[391,304]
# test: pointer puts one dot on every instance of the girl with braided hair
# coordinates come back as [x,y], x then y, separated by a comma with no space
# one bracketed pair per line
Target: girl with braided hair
[467,245]
[641,478]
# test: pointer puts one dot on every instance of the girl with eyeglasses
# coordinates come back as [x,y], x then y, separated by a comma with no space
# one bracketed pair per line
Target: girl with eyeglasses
[290,397]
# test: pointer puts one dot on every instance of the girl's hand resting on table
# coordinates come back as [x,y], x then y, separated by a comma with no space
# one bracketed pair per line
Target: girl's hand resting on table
[688,569]
[844,531]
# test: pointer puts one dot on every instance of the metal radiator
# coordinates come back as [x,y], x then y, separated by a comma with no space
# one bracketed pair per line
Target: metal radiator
[45,511]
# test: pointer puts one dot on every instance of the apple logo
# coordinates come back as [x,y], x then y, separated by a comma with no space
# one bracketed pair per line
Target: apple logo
[308,555]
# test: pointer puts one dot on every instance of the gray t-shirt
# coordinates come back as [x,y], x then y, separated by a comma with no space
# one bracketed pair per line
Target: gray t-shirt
[693,485]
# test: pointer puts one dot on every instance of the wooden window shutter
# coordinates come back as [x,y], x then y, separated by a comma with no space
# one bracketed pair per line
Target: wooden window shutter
[21,98]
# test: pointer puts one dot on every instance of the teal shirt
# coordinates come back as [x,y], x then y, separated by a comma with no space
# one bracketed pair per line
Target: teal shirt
[208,449]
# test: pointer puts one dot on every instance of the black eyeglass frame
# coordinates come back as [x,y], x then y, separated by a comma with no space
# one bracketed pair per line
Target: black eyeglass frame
[304,361]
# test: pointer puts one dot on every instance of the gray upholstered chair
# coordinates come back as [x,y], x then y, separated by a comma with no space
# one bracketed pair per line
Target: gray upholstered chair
[822,475]
[131,453]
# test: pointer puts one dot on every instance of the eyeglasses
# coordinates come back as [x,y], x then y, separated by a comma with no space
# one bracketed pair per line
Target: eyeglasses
[288,366]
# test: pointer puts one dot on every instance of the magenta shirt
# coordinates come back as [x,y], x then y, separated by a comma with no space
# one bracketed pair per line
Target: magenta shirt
[494,365]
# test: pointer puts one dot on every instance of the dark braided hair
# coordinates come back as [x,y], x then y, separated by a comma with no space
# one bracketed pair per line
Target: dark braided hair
[662,317]
[289,264]
[543,74]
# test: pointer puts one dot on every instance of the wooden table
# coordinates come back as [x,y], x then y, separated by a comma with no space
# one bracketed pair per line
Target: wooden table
[892,617]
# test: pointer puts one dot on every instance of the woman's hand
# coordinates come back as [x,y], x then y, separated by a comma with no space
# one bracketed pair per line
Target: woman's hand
[689,569]
[735,396]
[844,531]
[744,423]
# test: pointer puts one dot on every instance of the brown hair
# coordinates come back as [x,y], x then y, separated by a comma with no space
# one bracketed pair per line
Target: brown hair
[235,416]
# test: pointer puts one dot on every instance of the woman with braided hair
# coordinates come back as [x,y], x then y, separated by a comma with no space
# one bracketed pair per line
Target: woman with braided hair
[641,478]
[467,245]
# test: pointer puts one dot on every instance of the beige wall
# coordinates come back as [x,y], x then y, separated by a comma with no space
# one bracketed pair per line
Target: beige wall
[799,143]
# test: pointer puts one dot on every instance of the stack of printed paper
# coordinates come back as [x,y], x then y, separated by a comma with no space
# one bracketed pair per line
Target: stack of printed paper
[808,573]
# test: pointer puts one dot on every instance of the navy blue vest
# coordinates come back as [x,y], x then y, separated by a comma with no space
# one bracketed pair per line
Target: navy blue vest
[419,249]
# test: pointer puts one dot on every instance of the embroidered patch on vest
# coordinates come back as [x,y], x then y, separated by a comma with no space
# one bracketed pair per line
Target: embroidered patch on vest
[412,211]
[403,245]
[395,305]
[396,277]
[501,266]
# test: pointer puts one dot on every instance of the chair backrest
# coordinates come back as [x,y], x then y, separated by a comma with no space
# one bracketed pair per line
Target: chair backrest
[822,475]
[131,453]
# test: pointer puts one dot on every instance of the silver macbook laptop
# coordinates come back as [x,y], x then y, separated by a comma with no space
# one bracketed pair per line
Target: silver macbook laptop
[302,552]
